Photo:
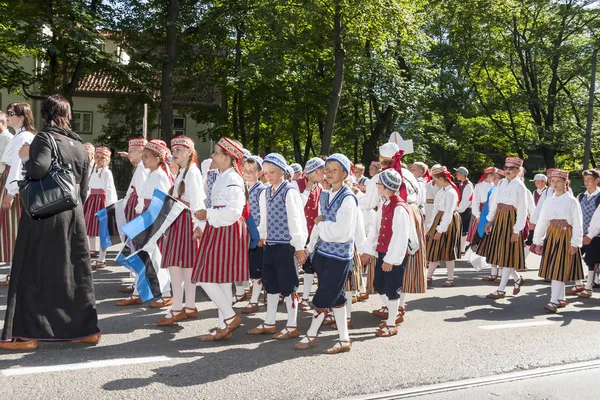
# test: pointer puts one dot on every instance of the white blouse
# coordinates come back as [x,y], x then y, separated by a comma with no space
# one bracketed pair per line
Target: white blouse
[102,178]
[480,196]
[511,193]
[465,201]
[228,199]
[445,201]
[158,179]
[343,229]
[11,157]
[139,177]
[430,191]
[194,190]
[564,207]
[371,198]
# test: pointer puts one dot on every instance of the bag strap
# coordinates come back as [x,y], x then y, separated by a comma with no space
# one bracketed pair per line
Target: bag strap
[54,148]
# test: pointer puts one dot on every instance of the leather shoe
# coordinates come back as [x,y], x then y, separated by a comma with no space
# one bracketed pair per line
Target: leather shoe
[19,345]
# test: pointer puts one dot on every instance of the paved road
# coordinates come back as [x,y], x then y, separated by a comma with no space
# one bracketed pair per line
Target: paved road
[449,334]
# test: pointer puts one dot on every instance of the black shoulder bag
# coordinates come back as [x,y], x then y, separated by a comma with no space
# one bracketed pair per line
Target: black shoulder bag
[54,193]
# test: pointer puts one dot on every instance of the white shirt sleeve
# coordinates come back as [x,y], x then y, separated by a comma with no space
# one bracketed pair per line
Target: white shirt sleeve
[109,187]
[399,242]
[262,202]
[464,200]
[194,190]
[370,246]
[521,207]
[231,213]
[16,165]
[296,220]
[451,198]
[594,228]
[577,223]
[359,233]
[530,203]
[370,200]
[541,227]
[344,228]
[493,204]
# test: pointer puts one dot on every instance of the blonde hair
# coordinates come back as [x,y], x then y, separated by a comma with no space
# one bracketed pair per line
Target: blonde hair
[181,189]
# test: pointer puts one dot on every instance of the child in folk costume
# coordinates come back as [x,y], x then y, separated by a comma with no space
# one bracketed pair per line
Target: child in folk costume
[314,172]
[225,242]
[390,240]
[431,190]
[558,237]
[179,247]
[503,242]
[19,117]
[496,273]
[480,194]
[332,245]
[444,231]
[589,202]
[140,174]
[359,175]
[154,159]
[421,172]
[465,192]
[102,194]
[252,173]
[283,231]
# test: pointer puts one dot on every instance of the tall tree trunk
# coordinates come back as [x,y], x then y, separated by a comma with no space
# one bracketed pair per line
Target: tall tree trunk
[237,118]
[241,104]
[338,79]
[168,67]
[256,132]
[590,115]
[296,141]
[308,139]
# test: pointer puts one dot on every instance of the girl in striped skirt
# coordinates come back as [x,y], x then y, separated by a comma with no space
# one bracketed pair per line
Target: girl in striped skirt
[154,159]
[414,281]
[179,246]
[444,231]
[20,118]
[558,238]
[102,194]
[486,182]
[140,174]
[503,242]
[224,257]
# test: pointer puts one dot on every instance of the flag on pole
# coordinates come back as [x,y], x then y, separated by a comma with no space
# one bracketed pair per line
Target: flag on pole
[110,219]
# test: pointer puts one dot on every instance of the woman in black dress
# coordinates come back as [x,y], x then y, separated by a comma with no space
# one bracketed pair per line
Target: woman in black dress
[51,293]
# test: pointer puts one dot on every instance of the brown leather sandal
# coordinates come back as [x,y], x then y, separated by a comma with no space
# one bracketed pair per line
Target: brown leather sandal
[312,342]
[344,347]
[381,313]
[6,281]
[17,345]
[162,302]
[498,294]
[92,339]
[586,294]
[291,332]
[304,305]
[518,284]
[387,331]
[126,289]
[449,283]
[263,329]
[575,290]
[551,307]
[563,303]
[175,316]
[230,324]
[250,308]
[191,312]
[130,301]
[490,278]
[328,320]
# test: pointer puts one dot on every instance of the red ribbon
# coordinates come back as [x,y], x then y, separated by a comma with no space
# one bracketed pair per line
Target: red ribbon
[427,176]
[449,178]
[397,165]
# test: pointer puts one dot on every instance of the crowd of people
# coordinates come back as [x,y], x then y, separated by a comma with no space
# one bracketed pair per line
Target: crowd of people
[256,227]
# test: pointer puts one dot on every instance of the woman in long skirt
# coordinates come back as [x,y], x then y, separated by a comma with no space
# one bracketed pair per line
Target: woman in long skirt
[224,244]
[558,238]
[51,296]
[445,229]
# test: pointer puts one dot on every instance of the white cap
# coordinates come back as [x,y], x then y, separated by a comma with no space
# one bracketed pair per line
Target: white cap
[540,177]
[388,150]
[406,145]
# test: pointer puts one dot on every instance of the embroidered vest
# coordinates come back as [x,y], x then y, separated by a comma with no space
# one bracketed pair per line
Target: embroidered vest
[339,251]
[387,219]
[278,231]
[253,199]
[311,209]
[462,186]
[210,182]
[588,207]
[302,182]
[536,196]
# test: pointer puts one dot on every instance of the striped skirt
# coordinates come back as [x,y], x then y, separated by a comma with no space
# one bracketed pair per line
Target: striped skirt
[178,248]
[95,202]
[415,279]
[496,246]
[130,206]
[474,224]
[557,264]
[448,247]
[355,277]
[223,255]
[9,222]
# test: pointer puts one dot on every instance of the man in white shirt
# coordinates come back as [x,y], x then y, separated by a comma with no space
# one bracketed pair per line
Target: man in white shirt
[5,137]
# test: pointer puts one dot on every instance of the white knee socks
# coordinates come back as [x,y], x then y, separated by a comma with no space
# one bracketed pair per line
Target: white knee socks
[308,280]
[384,299]
[221,297]
[272,303]
[505,276]
[402,299]
[177,285]
[393,311]
[342,324]
[555,289]
[514,275]
[349,296]
[494,271]
[102,256]
[239,289]
[292,310]
[316,323]
[431,269]
[256,290]
[590,280]
[450,269]
[190,288]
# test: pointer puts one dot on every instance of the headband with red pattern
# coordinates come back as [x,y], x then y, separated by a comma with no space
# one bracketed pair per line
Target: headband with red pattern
[444,171]
[137,142]
[105,151]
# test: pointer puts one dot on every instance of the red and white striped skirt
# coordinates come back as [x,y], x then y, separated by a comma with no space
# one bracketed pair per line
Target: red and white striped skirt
[146,204]
[223,254]
[178,248]
[130,206]
[95,202]
[9,222]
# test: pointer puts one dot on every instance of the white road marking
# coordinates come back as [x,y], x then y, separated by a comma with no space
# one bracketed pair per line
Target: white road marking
[518,325]
[87,365]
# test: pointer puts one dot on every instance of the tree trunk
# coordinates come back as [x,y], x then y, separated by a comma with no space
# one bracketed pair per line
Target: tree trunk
[256,132]
[296,141]
[237,118]
[590,116]
[548,154]
[338,79]
[168,67]
[308,139]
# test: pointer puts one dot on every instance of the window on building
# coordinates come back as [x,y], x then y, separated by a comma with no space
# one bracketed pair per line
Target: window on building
[101,47]
[82,122]
[178,126]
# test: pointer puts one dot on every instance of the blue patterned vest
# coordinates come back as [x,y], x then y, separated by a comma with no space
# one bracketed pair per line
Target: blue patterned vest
[254,196]
[210,182]
[588,207]
[278,231]
[339,251]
